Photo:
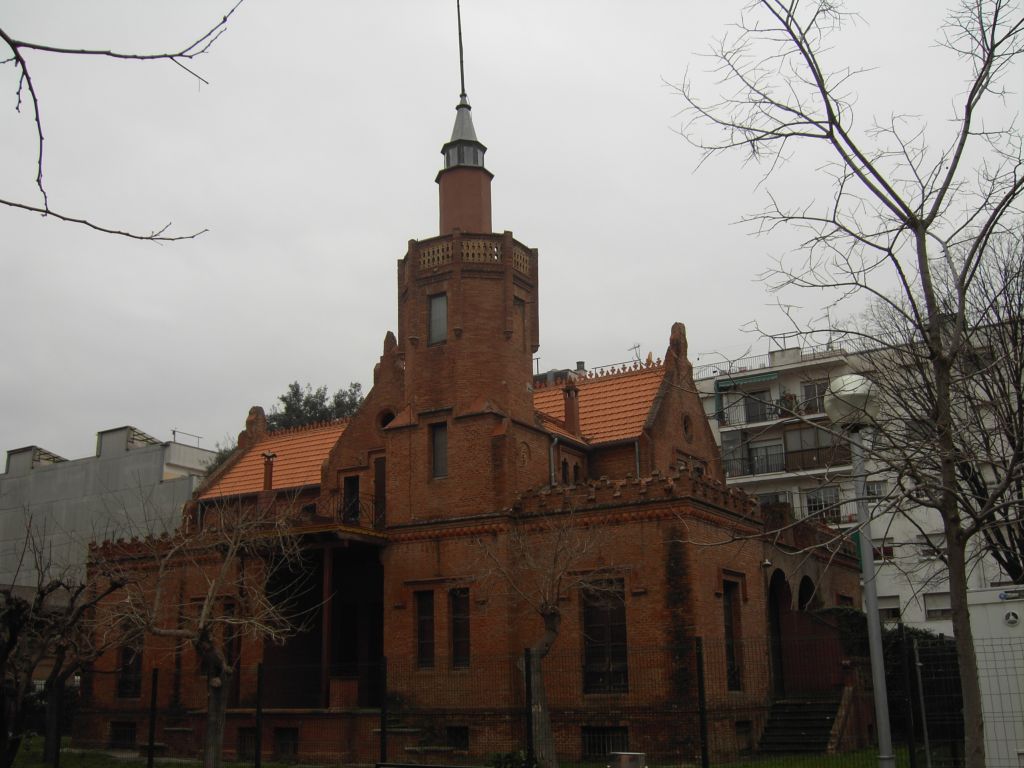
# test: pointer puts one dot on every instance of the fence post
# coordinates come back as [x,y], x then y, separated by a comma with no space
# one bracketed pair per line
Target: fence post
[528,676]
[384,709]
[702,703]
[60,708]
[257,757]
[151,745]
[911,725]
[924,712]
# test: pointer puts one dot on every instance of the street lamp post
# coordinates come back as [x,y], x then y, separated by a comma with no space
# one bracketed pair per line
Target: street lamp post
[848,402]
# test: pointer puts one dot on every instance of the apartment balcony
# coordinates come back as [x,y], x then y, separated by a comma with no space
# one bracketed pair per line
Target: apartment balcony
[842,514]
[752,411]
[757,464]
[772,460]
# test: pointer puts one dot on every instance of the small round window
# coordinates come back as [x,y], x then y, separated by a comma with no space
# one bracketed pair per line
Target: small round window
[385,418]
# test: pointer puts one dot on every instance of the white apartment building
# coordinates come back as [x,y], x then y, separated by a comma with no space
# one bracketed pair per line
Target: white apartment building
[767,413]
[133,485]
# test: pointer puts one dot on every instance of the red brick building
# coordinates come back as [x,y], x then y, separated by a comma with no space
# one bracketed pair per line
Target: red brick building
[415,514]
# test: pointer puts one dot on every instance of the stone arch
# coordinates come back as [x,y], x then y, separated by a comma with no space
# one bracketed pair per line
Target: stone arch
[808,598]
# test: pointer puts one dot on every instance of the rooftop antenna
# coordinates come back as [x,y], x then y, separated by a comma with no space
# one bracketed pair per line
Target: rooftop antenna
[462,69]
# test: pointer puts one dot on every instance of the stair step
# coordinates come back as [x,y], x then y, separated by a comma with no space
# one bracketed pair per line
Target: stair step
[799,725]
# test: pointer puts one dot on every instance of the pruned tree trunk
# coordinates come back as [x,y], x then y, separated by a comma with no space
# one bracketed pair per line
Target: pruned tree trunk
[13,724]
[540,715]
[54,701]
[216,711]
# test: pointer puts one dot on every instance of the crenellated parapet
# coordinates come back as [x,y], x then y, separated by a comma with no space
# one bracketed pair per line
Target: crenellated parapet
[632,494]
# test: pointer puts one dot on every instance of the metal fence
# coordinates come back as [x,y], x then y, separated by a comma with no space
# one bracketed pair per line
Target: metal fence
[699,703]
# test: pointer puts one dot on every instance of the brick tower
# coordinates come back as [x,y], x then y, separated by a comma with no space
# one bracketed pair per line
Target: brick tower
[468,328]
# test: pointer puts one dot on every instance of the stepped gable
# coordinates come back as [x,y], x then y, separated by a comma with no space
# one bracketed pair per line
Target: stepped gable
[299,454]
[614,402]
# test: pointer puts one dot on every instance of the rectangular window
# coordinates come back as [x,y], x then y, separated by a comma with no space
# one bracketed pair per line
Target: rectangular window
[380,485]
[883,549]
[604,637]
[823,503]
[937,606]
[774,499]
[246,743]
[286,744]
[757,406]
[731,611]
[122,735]
[437,322]
[814,396]
[932,547]
[744,736]
[458,607]
[875,489]
[599,741]
[129,672]
[733,451]
[889,607]
[439,450]
[350,502]
[767,457]
[424,629]
[457,737]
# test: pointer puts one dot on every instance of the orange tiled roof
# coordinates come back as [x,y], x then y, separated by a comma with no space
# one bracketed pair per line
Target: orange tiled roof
[612,406]
[300,453]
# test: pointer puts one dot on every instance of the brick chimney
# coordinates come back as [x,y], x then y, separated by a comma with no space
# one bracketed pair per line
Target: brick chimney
[268,470]
[571,401]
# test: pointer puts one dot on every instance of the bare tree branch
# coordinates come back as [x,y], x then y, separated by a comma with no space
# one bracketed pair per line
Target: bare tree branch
[26,83]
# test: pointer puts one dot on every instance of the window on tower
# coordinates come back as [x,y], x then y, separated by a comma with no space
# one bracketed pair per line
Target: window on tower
[458,609]
[437,320]
[439,450]
[424,601]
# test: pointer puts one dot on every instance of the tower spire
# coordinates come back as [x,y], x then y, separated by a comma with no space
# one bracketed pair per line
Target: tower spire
[463,148]
[465,184]
[462,68]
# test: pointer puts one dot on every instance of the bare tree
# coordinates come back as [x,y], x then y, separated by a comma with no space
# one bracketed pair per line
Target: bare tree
[28,94]
[903,211]
[247,562]
[986,395]
[47,626]
[540,561]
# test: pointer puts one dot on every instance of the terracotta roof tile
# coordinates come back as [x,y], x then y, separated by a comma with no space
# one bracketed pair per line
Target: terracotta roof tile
[612,407]
[300,454]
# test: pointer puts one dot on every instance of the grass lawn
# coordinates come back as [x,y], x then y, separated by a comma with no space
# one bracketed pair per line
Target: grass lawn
[30,756]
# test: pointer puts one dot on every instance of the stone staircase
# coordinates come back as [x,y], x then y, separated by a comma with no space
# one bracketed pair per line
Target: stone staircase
[799,725]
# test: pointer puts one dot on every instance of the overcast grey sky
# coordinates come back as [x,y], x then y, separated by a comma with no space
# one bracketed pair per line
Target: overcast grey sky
[311,158]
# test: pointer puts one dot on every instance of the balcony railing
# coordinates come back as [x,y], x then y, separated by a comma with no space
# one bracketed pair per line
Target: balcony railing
[840,513]
[751,411]
[818,458]
[763,462]
[737,368]
[364,511]
[756,464]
